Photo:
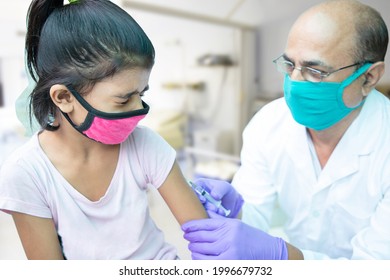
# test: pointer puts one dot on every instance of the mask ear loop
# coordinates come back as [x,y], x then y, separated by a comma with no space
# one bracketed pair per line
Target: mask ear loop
[354,76]
[82,127]
[106,115]
[349,81]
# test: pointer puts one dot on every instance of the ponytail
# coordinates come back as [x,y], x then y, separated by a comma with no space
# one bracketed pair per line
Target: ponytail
[37,15]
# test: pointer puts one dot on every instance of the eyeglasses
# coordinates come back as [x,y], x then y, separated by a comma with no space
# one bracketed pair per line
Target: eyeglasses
[309,74]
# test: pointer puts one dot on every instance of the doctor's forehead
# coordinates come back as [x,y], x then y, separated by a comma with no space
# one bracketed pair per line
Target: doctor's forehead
[324,47]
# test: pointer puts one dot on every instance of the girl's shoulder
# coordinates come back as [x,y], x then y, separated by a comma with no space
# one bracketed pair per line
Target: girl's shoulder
[24,164]
[144,136]
[146,143]
[143,131]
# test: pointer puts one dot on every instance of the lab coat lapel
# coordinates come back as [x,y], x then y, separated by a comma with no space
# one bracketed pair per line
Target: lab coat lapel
[343,162]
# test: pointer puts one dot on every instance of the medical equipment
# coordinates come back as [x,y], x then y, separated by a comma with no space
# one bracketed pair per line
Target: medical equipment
[209,198]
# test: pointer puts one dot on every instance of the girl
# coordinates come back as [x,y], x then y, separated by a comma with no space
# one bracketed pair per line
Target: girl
[77,189]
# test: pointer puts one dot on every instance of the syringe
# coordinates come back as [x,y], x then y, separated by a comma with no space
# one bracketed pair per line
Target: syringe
[209,198]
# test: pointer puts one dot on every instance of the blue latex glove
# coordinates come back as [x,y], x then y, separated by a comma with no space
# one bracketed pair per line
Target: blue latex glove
[230,239]
[221,190]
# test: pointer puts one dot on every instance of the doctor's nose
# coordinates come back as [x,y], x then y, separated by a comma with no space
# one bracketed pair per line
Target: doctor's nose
[296,74]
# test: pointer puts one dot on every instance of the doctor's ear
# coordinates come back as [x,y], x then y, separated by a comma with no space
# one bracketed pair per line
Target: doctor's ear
[372,76]
[62,98]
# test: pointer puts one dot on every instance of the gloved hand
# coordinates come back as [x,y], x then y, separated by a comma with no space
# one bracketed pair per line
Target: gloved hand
[221,190]
[230,239]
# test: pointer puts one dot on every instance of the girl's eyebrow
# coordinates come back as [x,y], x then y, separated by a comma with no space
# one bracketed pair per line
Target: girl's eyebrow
[128,95]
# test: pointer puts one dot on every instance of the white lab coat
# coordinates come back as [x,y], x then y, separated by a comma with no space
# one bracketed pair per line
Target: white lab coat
[345,212]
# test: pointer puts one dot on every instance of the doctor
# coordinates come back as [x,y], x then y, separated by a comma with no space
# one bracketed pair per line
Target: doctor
[322,153]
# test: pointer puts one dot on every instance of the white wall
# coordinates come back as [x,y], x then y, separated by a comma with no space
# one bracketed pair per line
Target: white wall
[12,26]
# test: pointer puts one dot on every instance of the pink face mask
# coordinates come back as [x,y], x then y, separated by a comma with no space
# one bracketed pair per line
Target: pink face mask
[107,128]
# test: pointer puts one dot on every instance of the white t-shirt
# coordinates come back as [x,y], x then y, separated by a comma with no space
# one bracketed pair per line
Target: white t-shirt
[118,226]
[341,211]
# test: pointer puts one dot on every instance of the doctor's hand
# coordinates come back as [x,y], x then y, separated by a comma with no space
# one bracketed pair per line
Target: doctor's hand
[221,190]
[230,239]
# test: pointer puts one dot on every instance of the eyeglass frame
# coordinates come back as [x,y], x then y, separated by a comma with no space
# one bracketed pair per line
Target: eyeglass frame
[322,74]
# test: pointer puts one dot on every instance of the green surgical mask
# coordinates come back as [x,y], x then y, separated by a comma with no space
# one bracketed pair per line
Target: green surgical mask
[319,105]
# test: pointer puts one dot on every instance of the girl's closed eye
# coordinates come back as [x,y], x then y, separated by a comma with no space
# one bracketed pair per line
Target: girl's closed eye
[127,99]
[124,102]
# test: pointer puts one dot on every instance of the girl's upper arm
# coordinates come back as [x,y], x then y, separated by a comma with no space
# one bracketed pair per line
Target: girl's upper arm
[180,198]
[38,236]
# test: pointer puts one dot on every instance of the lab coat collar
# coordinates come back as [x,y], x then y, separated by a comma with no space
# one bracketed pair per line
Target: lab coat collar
[364,133]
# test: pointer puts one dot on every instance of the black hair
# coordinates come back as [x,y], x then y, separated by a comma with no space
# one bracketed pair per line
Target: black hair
[78,45]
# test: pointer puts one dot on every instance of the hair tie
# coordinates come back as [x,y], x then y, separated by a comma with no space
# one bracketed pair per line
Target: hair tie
[73,1]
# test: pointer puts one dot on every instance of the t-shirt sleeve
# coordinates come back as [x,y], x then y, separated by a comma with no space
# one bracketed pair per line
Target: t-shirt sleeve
[20,191]
[156,156]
